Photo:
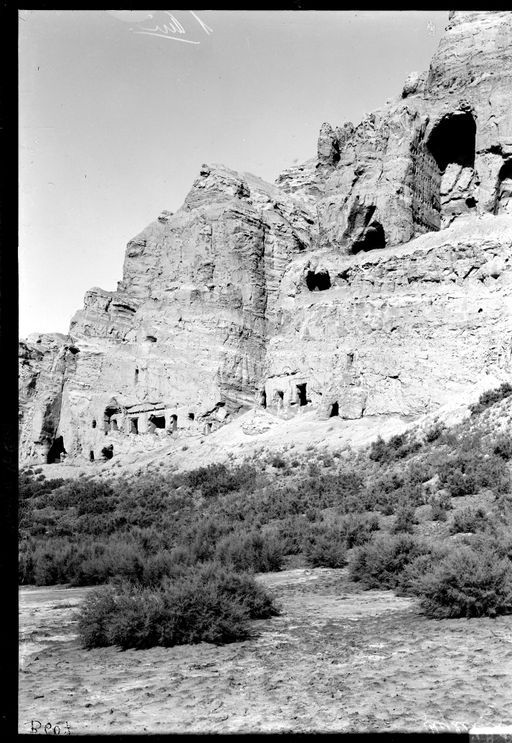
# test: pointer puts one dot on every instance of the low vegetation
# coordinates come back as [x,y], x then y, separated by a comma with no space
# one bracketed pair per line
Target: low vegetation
[427,513]
[467,582]
[491,397]
[205,604]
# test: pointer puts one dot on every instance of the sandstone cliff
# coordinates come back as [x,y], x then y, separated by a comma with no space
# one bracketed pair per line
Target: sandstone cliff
[374,279]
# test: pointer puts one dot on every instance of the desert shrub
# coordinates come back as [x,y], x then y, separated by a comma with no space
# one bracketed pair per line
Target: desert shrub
[357,528]
[163,564]
[433,433]
[208,605]
[440,504]
[292,532]
[342,490]
[50,563]
[201,537]
[379,450]
[382,493]
[250,552]
[348,482]
[408,583]
[471,470]
[313,514]
[456,477]
[491,397]
[398,447]
[278,462]
[404,519]
[491,471]
[98,524]
[496,536]
[327,460]
[87,496]
[241,587]
[26,563]
[216,479]
[324,547]
[380,562]
[314,469]
[30,487]
[101,561]
[467,582]
[419,472]
[386,492]
[468,520]
[503,447]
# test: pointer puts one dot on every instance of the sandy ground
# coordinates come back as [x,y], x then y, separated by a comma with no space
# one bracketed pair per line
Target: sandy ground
[337,659]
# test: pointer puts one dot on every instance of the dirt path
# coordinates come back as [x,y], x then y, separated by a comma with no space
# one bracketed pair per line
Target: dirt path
[337,659]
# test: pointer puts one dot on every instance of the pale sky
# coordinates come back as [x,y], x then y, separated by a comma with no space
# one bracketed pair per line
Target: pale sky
[115,124]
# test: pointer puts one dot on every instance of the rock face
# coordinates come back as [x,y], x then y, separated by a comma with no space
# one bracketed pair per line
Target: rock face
[373,279]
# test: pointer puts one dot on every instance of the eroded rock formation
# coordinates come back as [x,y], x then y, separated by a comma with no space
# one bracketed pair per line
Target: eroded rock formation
[373,279]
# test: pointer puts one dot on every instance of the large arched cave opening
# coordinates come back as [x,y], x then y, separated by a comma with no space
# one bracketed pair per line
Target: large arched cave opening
[453,140]
[373,239]
[55,450]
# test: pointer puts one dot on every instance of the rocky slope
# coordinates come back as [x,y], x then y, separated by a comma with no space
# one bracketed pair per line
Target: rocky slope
[373,280]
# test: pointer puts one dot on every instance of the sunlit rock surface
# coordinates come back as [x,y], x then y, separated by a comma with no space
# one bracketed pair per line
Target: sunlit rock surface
[374,279]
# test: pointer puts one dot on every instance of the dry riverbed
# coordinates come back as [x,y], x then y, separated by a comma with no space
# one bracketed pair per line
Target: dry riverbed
[337,659]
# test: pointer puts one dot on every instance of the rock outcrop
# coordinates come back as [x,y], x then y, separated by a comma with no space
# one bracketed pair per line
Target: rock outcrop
[374,279]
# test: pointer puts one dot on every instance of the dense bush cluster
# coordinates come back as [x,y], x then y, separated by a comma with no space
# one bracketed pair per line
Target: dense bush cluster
[206,604]
[157,540]
[380,562]
[503,447]
[468,472]
[217,479]
[467,582]
[468,520]
[398,447]
[491,397]
[324,547]
[460,580]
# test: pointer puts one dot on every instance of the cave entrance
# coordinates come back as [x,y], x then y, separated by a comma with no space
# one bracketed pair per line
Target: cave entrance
[302,394]
[335,410]
[107,452]
[134,425]
[174,422]
[55,450]
[453,140]
[318,280]
[158,421]
[191,416]
[263,399]
[373,239]
[278,398]
[91,456]
[504,190]
[452,146]
[110,424]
